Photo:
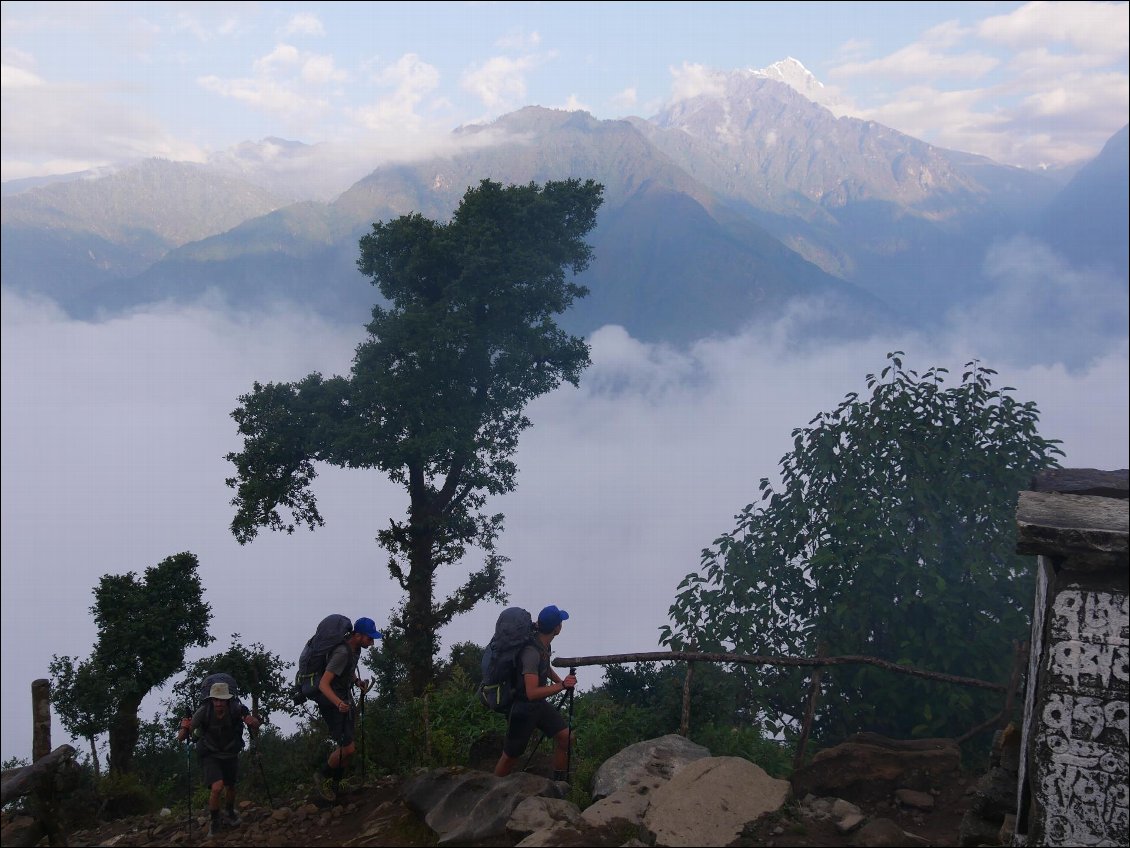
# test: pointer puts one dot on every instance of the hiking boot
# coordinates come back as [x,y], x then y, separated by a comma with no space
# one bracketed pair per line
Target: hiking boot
[324,786]
[214,827]
[232,818]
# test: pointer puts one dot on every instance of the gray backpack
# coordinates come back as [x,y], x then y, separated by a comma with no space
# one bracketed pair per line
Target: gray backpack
[512,632]
[332,631]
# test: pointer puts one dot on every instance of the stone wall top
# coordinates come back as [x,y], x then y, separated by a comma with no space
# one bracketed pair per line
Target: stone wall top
[1083,481]
[1090,531]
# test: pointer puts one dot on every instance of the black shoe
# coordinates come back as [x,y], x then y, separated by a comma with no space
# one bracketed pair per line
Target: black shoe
[232,818]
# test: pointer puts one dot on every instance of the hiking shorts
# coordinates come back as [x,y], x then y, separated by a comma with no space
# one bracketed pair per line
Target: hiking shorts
[339,724]
[215,769]
[525,716]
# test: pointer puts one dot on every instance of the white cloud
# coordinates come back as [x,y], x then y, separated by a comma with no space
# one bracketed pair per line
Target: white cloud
[411,79]
[12,77]
[52,128]
[519,41]
[919,60]
[283,56]
[625,99]
[287,82]
[499,82]
[1102,28]
[692,80]
[117,430]
[267,95]
[574,104]
[321,69]
[304,23]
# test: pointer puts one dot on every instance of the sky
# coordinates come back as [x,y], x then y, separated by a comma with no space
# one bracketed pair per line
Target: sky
[114,431]
[92,84]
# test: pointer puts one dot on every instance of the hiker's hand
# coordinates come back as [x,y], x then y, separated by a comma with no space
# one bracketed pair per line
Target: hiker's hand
[343,706]
[570,681]
[252,722]
[186,724]
[364,685]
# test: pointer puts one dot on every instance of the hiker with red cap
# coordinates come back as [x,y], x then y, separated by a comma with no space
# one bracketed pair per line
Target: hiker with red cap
[531,707]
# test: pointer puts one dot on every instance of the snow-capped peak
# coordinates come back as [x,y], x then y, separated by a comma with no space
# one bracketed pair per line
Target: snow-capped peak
[796,76]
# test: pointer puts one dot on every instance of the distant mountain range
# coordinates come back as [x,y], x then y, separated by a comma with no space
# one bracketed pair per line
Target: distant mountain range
[721,211]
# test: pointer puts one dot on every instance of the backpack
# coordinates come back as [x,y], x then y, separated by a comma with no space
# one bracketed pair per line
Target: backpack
[512,632]
[222,677]
[332,631]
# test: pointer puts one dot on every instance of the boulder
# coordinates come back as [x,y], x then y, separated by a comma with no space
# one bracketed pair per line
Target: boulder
[867,762]
[709,800]
[463,805]
[647,763]
[537,813]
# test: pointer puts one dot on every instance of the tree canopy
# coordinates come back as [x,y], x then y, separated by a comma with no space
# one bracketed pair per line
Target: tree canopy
[144,628]
[435,397]
[892,535]
[261,677]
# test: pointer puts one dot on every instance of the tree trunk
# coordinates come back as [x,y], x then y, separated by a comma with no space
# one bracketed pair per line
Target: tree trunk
[124,732]
[94,757]
[418,635]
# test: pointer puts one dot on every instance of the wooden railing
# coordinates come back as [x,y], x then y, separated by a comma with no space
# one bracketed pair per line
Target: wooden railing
[1020,651]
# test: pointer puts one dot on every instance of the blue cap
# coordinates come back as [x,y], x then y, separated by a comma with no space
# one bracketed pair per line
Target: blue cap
[550,617]
[366,627]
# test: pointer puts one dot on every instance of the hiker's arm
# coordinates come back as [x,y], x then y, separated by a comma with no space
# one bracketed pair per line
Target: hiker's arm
[540,693]
[325,687]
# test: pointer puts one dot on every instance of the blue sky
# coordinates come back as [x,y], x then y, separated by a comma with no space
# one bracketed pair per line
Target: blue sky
[88,84]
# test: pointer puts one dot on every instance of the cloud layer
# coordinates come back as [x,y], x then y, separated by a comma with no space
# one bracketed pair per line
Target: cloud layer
[114,436]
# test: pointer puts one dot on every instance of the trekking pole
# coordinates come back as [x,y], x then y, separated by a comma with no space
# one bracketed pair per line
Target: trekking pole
[262,771]
[188,779]
[362,736]
[569,755]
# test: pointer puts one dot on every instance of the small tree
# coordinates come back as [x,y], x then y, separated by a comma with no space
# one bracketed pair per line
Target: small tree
[81,697]
[893,535]
[260,675]
[144,628]
[436,392]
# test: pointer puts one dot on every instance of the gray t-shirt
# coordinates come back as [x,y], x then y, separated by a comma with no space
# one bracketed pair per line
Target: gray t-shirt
[342,663]
[533,660]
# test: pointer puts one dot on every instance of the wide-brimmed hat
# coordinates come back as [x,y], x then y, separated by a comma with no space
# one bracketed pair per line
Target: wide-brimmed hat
[220,690]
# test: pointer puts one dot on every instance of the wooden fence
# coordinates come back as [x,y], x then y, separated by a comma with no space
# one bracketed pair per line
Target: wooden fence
[1020,652]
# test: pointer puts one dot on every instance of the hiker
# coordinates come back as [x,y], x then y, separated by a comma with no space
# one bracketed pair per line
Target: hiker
[217,728]
[335,703]
[531,707]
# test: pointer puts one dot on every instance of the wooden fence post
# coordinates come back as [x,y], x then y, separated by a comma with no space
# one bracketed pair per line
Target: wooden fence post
[40,718]
[809,711]
[685,721]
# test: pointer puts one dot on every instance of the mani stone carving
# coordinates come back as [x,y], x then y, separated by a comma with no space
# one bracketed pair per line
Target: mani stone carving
[1073,781]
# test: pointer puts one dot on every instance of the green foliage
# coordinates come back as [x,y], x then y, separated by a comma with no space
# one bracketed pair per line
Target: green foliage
[264,685]
[436,392]
[144,628]
[892,535]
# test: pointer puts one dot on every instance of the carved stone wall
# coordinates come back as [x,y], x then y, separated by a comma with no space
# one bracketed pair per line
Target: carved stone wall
[1075,768]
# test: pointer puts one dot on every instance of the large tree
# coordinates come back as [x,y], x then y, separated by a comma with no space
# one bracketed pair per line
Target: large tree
[436,393]
[893,535]
[144,628]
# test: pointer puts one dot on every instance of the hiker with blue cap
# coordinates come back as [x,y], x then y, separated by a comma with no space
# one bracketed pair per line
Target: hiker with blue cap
[532,709]
[335,702]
